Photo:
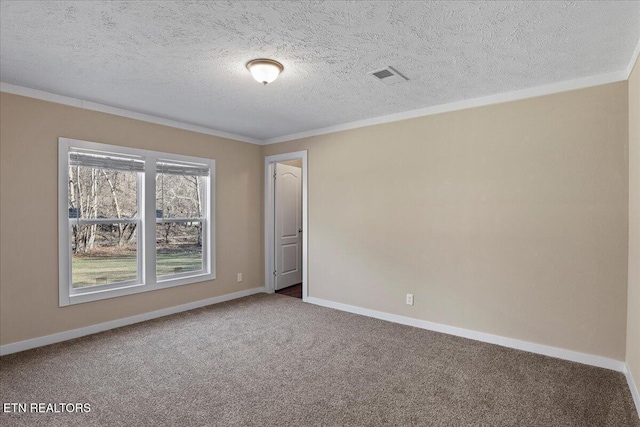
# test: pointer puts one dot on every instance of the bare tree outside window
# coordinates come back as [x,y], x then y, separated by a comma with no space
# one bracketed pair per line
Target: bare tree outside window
[102,253]
[179,204]
[132,220]
[106,253]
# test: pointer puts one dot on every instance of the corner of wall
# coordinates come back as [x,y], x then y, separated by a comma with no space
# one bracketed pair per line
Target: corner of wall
[633,271]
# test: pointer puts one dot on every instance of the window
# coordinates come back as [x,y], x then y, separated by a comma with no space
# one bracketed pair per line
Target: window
[180,219]
[132,220]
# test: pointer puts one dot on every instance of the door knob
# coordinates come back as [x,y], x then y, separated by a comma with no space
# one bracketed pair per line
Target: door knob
[300,230]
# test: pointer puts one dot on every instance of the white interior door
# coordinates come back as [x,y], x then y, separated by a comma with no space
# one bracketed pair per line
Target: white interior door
[288,231]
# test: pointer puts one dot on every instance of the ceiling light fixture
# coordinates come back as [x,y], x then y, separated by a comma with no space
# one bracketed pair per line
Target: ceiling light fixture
[265,70]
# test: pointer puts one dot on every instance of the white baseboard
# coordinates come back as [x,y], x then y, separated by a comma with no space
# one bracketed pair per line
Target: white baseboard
[560,353]
[88,330]
[633,387]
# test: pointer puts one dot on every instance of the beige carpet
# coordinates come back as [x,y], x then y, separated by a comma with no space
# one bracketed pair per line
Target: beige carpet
[272,360]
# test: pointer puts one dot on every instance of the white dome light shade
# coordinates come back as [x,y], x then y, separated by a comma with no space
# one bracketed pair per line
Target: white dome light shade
[265,70]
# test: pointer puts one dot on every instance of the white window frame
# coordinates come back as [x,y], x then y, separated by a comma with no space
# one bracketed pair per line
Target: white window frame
[147,280]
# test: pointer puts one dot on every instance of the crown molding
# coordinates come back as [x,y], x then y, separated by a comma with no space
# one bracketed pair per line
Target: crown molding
[500,98]
[462,105]
[116,111]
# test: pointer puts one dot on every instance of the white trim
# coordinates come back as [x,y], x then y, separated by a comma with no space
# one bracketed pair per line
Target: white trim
[549,89]
[560,353]
[100,327]
[94,106]
[632,61]
[269,221]
[64,242]
[269,255]
[147,280]
[633,387]
[461,105]
[147,201]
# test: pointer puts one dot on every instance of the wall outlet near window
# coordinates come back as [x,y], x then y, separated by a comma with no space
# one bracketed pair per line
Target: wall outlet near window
[409,299]
[239,277]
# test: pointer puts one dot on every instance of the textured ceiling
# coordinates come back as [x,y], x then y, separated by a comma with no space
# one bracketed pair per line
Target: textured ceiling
[186,60]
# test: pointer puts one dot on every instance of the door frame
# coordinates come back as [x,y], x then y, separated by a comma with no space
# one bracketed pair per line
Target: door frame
[269,219]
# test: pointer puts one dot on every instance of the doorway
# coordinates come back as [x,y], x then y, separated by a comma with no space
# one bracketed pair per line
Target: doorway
[286,224]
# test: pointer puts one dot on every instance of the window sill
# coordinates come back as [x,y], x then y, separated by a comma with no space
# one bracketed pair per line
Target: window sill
[100,294]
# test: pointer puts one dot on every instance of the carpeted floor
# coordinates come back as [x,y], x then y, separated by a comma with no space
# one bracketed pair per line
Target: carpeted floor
[272,360]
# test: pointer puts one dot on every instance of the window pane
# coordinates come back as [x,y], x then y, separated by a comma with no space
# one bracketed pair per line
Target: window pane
[102,193]
[179,247]
[102,254]
[179,196]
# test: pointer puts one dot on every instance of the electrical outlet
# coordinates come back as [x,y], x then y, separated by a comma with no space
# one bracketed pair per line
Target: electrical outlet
[409,299]
[239,277]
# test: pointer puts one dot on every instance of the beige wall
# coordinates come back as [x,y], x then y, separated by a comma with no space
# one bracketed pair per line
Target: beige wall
[28,222]
[633,310]
[509,219]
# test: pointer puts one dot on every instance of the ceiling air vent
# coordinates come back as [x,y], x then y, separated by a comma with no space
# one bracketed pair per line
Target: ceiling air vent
[389,76]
